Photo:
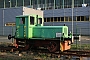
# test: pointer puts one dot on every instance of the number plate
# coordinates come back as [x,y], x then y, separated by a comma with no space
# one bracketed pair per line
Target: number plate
[58,34]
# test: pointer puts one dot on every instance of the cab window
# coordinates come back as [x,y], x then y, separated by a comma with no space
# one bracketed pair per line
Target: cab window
[22,20]
[31,20]
[40,20]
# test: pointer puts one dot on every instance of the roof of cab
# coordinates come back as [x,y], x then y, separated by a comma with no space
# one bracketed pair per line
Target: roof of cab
[24,15]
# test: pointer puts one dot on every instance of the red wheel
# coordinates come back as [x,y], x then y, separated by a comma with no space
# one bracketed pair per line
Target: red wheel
[53,46]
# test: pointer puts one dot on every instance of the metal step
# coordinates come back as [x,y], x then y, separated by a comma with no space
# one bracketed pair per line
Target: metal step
[22,42]
[21,45]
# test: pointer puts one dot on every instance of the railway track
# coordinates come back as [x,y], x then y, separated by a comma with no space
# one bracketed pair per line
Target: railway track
[79,53]
[76,53]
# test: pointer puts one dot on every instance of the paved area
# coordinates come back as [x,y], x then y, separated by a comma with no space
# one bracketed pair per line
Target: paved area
[5,39]
[85,37]
[84,40]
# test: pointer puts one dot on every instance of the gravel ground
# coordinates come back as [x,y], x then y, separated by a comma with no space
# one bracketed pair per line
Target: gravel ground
[33,56]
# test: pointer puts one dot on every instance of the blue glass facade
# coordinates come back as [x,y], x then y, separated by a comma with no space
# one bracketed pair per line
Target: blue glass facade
[43,4]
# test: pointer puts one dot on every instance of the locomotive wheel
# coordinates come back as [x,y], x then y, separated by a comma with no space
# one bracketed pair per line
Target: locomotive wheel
[26,47]
[53,46]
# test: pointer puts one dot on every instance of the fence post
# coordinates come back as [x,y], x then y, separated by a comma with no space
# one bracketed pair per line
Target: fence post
[12,34]
[76,36]
[3,31]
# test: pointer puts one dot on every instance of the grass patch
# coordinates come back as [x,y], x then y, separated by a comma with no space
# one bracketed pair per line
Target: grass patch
[82,46]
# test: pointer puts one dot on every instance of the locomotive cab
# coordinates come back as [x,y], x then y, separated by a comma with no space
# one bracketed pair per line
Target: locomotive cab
[25,24]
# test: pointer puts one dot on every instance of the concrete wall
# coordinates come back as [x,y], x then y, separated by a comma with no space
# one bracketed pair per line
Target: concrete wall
[28,11]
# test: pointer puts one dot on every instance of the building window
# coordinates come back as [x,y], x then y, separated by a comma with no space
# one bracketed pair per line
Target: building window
[58,18]
[7,3]
[66,18]
[52,19]
[87,18]
[13,3]
[62,18]
[44,19]
[82,18]
[19,2]
[1,3]
[27,2]
[55,19]
[40,20]
[78,18]
[48,19]
[70,18]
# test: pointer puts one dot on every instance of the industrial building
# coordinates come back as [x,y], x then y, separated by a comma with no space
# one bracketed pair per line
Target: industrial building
[44,4]
[56,12]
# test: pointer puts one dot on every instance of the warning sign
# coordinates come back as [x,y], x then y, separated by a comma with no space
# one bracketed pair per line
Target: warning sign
[10,24]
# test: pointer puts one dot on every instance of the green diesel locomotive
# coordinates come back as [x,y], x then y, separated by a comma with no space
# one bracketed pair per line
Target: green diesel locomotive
[30,33]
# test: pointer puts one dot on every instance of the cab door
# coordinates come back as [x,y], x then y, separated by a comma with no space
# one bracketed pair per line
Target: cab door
[21,27]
